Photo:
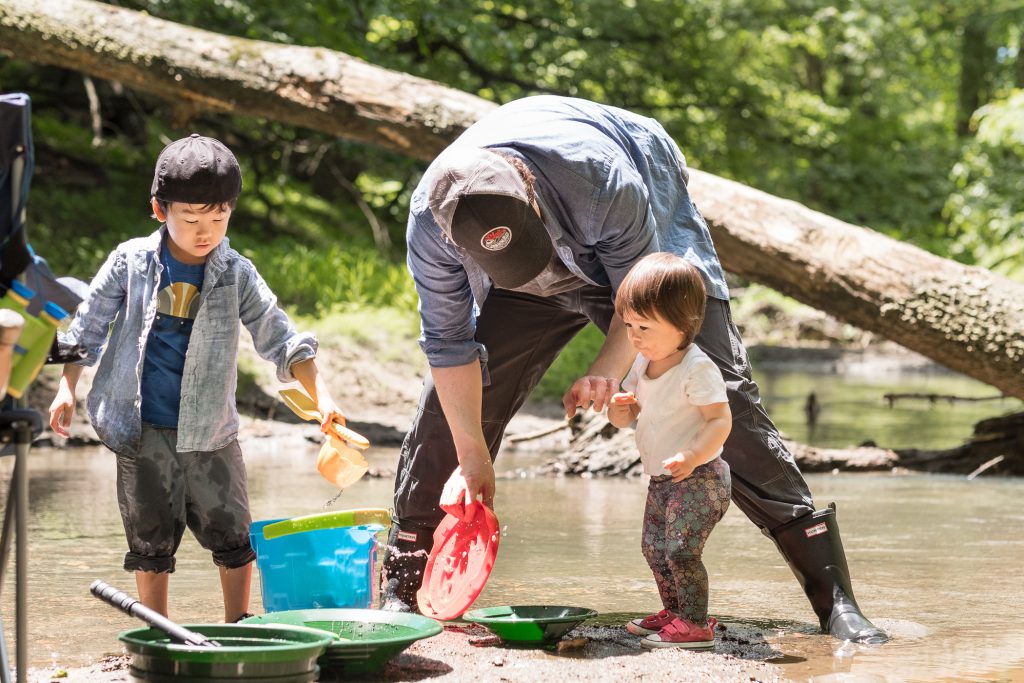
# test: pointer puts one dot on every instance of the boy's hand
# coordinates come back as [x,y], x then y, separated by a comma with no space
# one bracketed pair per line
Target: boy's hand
[330,413]
[62,409]
[680,465]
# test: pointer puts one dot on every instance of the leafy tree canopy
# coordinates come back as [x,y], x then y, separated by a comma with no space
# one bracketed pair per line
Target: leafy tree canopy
[900,116]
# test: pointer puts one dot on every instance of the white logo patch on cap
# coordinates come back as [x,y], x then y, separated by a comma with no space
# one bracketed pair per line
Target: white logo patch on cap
[496,239]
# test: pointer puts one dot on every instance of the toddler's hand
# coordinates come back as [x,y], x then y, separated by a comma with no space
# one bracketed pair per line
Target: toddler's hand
[680,465]
[623,409]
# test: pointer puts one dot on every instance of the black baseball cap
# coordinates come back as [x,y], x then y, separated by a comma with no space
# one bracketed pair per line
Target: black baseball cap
[197,170]
[481,203]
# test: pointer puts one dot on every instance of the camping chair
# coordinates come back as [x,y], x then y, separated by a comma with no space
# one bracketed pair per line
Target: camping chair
[19,425]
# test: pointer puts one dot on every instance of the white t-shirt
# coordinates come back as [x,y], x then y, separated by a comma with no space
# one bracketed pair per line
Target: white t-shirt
[670,414]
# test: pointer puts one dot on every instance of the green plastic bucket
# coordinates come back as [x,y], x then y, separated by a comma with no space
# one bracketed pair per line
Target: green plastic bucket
[270,654]
[365,639]
[529,625]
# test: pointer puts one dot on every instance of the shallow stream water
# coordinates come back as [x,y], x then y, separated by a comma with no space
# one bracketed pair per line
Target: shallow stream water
[936,559]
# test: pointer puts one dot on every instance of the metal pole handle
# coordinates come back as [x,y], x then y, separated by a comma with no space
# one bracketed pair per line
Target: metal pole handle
[133,607]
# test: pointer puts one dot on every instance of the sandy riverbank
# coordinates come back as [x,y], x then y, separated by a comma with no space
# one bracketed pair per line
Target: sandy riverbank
[601,653]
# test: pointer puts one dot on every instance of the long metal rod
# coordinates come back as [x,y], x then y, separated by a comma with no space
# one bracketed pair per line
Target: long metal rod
[5,660]
[8,529]
[23,437]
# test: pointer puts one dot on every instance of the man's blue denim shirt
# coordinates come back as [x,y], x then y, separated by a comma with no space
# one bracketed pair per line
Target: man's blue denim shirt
[124,292]
[611,186]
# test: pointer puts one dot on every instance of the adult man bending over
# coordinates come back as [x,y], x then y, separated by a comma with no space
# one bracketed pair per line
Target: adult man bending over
[519,235]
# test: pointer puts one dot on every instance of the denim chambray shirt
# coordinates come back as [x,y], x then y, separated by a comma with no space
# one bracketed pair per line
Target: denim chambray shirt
[124,292]
[611,186]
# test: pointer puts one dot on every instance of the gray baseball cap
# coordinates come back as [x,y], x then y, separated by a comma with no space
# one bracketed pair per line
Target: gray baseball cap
[481,203]
[197,170]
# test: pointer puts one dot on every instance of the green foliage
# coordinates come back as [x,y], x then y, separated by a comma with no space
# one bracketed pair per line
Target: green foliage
[315,280]
[389,332]
[855,108]
[851,107]
[985,213]
[571,364]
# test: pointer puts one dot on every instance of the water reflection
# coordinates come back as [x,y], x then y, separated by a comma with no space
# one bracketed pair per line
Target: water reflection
[935,560]
[833,411]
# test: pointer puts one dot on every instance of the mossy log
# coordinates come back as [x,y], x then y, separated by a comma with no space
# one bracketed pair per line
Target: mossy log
[968,319]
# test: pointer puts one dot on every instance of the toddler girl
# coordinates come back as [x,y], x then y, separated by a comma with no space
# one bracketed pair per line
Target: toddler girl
[676,397]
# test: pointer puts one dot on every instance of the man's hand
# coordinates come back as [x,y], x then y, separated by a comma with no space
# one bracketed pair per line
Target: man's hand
[473,480]
[588,390]
[680,465]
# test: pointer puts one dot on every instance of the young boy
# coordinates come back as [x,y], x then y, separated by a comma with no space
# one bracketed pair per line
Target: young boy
[163,398]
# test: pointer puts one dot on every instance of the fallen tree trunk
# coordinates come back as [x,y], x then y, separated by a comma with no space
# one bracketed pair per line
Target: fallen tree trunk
[598,449]
[199,70]
[965,318]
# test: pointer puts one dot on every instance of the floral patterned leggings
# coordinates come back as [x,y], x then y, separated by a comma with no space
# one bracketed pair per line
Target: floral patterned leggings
[677,521]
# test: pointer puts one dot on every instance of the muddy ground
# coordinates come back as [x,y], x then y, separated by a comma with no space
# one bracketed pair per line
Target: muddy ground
[588,653]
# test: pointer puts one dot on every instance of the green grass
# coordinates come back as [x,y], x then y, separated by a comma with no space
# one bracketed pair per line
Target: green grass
[316,280]
[389,332]
[571,364]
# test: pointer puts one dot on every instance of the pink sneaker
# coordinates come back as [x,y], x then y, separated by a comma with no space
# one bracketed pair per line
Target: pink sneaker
[682,633]
[650,624]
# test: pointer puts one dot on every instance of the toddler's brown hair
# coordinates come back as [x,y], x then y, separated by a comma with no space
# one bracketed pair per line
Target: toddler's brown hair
[666,286]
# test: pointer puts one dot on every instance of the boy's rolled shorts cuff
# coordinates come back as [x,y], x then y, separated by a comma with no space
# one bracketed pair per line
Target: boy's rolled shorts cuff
[233,559]
[133,562]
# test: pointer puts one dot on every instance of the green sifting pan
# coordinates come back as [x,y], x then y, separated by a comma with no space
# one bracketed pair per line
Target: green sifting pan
[529,625]
[365,639]
[265,653]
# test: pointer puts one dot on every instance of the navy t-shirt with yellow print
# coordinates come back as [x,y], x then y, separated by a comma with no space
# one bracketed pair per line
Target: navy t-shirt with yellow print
[177,305]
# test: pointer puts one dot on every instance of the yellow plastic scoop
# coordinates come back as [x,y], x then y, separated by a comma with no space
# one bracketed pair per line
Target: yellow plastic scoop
[304,407]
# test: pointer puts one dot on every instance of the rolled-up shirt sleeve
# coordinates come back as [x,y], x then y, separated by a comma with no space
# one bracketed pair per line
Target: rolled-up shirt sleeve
[447,317]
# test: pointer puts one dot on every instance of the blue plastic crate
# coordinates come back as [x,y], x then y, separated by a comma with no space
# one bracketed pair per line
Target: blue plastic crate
[316,569]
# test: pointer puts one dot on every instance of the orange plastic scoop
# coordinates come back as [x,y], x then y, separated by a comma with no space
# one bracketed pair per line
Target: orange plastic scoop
[304,407]
[340,464]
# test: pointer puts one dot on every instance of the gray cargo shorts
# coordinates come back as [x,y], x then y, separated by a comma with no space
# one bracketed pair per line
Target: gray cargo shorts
[161,491]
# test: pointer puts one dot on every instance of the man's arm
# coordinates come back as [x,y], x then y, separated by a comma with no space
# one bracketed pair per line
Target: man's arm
[448,340]
[460,391]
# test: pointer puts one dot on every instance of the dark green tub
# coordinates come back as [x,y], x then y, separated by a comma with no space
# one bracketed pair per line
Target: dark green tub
[365,639]
[269,654]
